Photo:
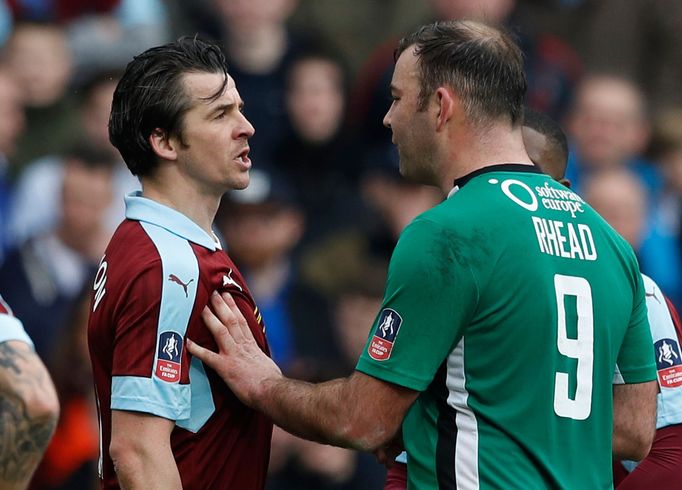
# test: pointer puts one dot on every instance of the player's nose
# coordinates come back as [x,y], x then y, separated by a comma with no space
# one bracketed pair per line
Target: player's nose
[387,119]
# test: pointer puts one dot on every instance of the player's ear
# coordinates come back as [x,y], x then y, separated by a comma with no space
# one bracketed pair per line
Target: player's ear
[162,144]
[447,105]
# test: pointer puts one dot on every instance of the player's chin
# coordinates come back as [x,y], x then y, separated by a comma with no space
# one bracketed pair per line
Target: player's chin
[240,181]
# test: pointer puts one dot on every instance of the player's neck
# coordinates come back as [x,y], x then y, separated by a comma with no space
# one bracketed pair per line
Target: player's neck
[183,198]
[468,153]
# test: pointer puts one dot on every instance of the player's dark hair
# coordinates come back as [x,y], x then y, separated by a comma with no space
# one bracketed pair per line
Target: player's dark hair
[150,96]
[548,127]
[481,63]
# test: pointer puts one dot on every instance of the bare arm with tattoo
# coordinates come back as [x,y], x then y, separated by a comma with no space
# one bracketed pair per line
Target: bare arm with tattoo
[29,410]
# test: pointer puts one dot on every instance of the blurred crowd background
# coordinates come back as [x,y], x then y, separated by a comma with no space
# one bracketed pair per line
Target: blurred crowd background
[314,231]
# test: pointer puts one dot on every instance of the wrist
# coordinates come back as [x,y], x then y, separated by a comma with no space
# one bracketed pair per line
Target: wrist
[264,391]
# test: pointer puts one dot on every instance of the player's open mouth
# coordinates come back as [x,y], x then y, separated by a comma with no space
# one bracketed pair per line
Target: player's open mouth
[243,158]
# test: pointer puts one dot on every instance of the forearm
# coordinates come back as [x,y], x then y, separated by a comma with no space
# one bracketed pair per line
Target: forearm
[632,443]
[147,468]
[28,413]
[634,419]
[141,451]
[23,441]
[333,413]
[312,411]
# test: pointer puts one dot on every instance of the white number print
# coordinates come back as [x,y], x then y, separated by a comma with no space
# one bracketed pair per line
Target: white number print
[581,348]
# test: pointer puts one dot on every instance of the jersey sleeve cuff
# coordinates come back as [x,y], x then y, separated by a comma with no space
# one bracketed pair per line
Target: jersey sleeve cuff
[639,375]
[384,373]
[11,328]
[145,395]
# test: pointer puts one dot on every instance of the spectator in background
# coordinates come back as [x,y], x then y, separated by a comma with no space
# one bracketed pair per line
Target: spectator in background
[262,225]
[640,40]
[102,34]
[318,154]
[42,276]
[667,149]
[390,203]
[11,126]
[36,203]
[665,222]
[622,199]
[29,408]
[38,55]
[608,126]
[356,302]
[259,50]
[610,130]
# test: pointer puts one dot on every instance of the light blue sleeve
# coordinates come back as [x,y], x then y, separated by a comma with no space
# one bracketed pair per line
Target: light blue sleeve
[11,328]
[668,356]
[161,395]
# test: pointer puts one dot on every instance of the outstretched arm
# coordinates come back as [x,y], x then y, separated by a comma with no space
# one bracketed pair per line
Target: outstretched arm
[634,419]
[29,410]
[359,412]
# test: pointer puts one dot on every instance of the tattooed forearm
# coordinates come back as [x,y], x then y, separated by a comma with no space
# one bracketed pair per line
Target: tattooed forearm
[23,439]
[28,413]
[10,357]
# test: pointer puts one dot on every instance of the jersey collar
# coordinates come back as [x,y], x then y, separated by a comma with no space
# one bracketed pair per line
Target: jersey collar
[500,167]
[140,208]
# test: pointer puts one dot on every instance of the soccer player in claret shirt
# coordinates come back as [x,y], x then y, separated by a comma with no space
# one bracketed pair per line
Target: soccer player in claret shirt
[166,420]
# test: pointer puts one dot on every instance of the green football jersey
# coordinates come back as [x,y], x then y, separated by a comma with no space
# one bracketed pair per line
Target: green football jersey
[510,306]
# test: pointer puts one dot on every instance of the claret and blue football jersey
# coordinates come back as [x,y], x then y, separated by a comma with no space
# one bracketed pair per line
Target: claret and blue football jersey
[155,278]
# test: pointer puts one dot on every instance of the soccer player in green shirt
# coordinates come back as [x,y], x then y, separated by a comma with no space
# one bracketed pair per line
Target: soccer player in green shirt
[508,307]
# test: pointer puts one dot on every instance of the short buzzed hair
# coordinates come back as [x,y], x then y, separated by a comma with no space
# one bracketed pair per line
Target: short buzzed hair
[482,64]
[557,143]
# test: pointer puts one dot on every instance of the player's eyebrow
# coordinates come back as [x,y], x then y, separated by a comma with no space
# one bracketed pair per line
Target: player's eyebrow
[226,107]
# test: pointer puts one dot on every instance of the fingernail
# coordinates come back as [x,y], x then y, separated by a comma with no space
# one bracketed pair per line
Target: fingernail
[215,293]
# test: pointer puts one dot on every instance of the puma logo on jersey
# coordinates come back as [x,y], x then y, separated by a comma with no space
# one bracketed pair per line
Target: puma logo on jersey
[228,281]
[652,294]
[176,279]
